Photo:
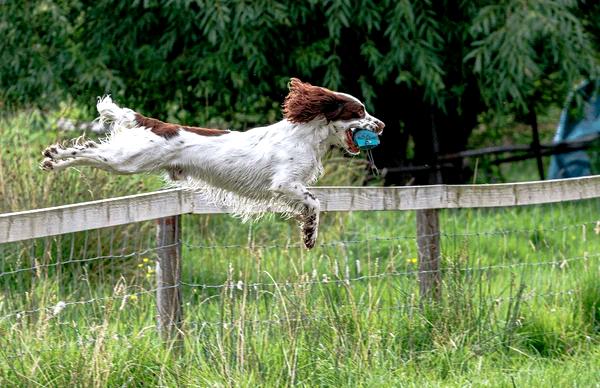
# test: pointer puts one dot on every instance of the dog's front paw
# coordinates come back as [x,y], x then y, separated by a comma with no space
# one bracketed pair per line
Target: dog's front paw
[309,229]
[309,240]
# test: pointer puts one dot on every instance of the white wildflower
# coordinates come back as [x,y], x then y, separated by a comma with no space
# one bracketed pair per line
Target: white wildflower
[60,306]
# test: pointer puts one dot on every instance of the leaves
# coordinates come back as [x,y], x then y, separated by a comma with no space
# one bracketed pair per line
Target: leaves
[518,44]
[228,61]
[417,44]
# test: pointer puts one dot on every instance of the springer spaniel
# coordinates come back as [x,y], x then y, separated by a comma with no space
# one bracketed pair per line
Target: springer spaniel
[251,172]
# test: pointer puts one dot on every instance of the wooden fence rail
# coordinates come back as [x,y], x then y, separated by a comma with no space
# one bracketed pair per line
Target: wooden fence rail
[166,206]
[142,207]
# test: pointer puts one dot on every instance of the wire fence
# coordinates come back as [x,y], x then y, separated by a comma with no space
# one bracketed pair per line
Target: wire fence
[497,266]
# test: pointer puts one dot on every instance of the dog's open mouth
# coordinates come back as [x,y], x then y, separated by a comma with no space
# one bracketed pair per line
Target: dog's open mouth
[351,146]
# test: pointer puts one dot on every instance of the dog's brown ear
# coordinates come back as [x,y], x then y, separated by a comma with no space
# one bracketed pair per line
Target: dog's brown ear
[306,102]
[295,83]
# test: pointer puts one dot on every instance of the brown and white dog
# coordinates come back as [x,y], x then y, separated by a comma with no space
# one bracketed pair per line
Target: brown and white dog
[250,172]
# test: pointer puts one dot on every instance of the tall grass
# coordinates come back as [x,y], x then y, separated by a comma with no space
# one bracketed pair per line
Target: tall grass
[519,303]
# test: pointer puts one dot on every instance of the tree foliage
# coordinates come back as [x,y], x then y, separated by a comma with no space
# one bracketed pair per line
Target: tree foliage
[426,67]
[519,46]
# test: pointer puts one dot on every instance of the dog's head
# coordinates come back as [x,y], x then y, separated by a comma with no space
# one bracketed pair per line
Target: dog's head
[339,112]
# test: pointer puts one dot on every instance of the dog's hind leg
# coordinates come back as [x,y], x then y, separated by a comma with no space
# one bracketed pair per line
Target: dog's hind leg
[307,205]
[49,164]
[117,157]
[59,151]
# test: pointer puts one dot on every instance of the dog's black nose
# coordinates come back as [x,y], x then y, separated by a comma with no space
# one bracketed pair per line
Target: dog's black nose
[379,126]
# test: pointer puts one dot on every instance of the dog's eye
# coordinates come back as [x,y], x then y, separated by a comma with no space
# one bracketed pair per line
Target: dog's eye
[358,114]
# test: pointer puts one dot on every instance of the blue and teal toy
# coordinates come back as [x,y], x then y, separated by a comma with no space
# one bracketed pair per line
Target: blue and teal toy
[365,139]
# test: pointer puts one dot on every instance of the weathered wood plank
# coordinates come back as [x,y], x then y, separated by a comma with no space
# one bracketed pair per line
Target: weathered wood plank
[117,211]
[95,214]
[457,196]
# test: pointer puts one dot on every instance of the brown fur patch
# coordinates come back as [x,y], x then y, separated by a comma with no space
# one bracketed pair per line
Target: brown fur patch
[168,130]
[306,102]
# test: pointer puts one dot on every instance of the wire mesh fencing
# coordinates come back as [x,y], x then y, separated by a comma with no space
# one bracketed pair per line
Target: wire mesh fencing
[500,268]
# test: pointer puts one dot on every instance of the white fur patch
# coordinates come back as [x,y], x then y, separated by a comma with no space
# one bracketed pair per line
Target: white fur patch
[113,116]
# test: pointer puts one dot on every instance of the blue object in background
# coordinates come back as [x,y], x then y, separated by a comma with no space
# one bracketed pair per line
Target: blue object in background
[586,123]
[365,139]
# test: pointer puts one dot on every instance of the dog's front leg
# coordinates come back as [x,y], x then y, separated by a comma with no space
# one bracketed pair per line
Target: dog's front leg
[310,227]
[307,206]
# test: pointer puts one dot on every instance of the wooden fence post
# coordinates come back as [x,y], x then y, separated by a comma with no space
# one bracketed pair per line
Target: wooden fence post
[535,142]
[168,276]
[428,233]
[428,245]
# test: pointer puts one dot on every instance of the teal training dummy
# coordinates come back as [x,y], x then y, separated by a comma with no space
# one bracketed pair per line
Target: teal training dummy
[365,139]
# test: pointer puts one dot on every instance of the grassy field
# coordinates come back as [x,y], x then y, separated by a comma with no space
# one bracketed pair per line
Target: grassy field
[520,305]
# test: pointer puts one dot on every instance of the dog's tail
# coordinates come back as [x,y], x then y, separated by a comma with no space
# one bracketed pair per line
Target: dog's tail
[112,115]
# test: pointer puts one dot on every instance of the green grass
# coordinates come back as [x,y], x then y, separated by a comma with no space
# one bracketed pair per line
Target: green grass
[520,295]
